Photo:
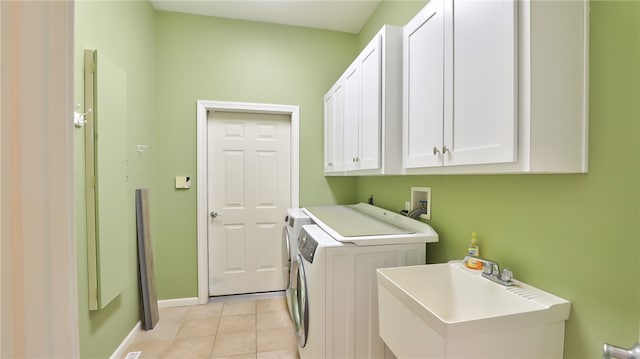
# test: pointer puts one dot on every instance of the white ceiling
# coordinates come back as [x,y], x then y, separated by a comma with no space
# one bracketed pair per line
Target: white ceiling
[339,15]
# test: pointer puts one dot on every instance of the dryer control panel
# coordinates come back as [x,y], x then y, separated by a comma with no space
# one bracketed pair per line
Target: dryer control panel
[307,246]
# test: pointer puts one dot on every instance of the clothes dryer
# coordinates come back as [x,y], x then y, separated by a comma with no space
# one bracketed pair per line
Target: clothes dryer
[295,219]
[335,306]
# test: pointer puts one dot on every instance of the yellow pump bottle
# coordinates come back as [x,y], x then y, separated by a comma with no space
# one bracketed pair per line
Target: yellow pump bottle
[474,251]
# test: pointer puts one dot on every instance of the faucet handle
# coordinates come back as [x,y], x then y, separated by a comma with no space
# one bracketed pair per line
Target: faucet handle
[507,275]
[490,267]
[487,268]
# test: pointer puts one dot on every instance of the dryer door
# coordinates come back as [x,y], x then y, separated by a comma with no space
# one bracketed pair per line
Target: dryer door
[286,255]
[299,301]
[287,262]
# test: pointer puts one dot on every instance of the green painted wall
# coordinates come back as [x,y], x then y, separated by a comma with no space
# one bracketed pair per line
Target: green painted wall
[125,33]
[576,236]
[391,12]
[205,58]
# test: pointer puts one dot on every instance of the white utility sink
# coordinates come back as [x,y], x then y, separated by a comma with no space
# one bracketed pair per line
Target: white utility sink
[450,311]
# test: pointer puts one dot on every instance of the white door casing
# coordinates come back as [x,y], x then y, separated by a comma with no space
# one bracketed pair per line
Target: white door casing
[203,107]
[248,181]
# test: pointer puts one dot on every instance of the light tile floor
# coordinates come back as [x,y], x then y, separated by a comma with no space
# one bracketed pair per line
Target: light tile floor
[236,328]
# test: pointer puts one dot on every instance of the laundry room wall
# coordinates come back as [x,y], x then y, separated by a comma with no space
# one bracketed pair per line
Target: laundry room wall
[575,235]
[207,58]
[124,32]
[388,12]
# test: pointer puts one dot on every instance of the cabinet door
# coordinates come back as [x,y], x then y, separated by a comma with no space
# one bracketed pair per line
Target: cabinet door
[333,131]
[481,122]
[423,78]
[351,117]
[370,110]
[329,137]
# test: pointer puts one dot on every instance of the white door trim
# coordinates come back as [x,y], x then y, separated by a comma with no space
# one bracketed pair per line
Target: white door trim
[203,107]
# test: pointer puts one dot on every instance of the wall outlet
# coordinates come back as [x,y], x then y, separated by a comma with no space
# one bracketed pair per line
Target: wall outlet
[421,196]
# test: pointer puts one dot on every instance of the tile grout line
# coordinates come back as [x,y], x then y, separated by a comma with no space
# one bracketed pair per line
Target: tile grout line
[215,337]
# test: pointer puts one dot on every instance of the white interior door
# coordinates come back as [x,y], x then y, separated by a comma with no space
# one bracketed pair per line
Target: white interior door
[249,191]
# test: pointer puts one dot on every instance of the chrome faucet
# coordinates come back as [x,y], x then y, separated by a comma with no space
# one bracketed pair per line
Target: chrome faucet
[416,213]
[491,271]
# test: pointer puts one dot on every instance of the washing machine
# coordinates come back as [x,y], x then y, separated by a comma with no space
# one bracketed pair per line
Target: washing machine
[335,306]
[295,219]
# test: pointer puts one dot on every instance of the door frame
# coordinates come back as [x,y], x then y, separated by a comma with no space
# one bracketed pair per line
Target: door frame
[203,109]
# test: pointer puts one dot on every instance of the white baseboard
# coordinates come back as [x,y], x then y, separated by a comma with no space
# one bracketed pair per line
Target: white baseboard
[125,343]
[178,302]
[167,303]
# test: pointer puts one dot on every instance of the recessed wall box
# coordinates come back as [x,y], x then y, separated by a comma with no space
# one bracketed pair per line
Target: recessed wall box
[421,198]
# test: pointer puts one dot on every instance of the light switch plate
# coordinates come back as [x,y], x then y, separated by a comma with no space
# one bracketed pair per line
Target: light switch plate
[183,182]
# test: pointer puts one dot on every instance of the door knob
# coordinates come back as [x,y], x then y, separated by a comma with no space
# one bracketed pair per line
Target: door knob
[214,214]
[612,351]
[435,150]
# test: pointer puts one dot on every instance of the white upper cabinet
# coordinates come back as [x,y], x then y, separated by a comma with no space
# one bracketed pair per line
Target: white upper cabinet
[370,139]
[352,110]
[496,87]
[423,91]
[372,110]
[460,84]
[480,88]
[333,121]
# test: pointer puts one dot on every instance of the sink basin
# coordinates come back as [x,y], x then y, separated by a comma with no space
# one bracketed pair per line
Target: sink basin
[449,311]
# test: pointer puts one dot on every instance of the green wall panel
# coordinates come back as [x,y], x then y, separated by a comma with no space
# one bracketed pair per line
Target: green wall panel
[123,32]
[576,236]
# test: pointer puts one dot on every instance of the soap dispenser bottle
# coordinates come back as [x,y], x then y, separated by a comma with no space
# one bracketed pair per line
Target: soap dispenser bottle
[474,251]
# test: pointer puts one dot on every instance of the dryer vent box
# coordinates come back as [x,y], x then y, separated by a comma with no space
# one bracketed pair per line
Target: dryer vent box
[421,197]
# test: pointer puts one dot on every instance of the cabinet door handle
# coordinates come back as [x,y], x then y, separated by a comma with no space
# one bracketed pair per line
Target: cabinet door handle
[435,150]
[444,150]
